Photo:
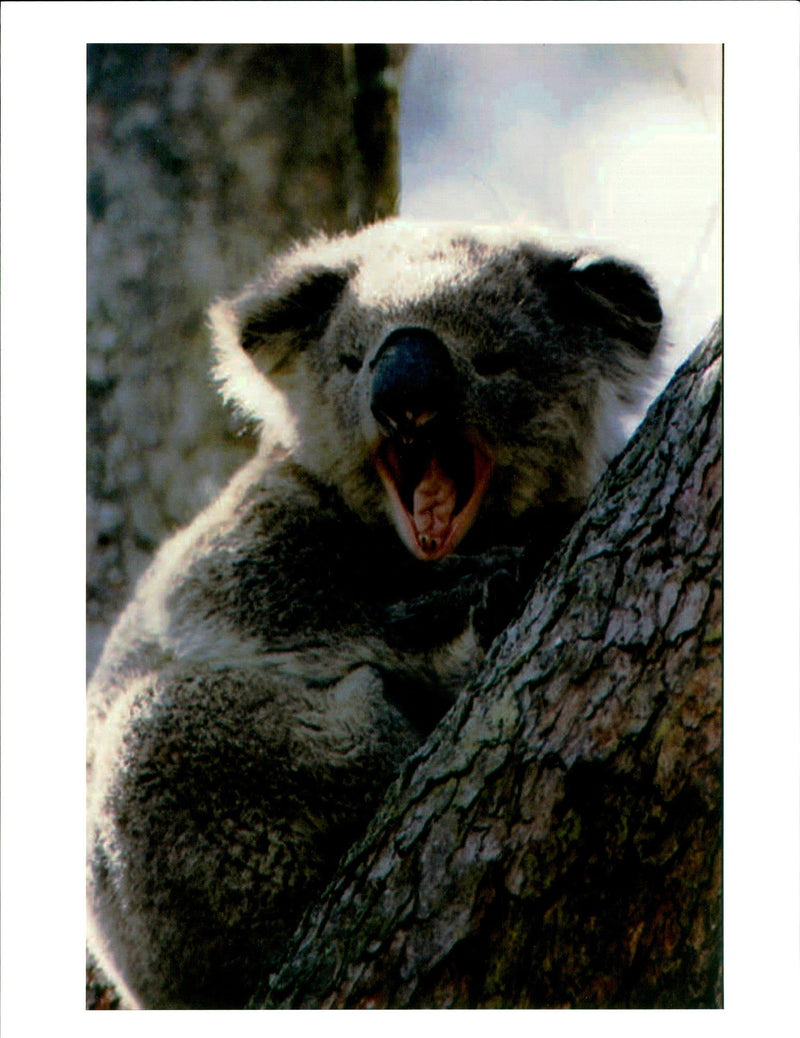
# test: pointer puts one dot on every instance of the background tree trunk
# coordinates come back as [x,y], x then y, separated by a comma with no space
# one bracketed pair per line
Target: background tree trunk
[202,160]
[557,841]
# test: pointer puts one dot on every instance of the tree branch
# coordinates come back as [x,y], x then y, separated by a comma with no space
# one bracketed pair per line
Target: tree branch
[557,840]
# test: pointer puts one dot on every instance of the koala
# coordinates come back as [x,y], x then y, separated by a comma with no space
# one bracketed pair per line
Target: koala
[450,398]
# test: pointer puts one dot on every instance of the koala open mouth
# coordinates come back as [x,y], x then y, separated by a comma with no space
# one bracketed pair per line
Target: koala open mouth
[435,491]
[434,475]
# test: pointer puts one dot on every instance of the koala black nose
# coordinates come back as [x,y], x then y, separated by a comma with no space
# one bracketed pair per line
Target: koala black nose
[413,382]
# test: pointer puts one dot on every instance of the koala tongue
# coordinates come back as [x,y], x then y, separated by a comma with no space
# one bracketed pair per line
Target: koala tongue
[434,503]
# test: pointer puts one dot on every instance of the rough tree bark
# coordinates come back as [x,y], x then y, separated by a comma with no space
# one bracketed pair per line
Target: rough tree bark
[557,841]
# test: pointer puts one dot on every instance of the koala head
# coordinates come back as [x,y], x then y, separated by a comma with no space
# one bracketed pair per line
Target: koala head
[451,380]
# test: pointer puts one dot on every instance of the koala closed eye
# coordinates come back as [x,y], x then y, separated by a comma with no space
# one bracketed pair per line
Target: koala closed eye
[350,361]
[494,363]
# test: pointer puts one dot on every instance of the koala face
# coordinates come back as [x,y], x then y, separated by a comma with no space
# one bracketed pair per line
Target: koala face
[455,382]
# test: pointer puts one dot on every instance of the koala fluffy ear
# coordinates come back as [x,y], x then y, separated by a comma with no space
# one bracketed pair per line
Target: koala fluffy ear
[277,320]
[271,321]
[615,297]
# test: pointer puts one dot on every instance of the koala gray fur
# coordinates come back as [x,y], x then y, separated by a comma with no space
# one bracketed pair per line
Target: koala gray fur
[454,396]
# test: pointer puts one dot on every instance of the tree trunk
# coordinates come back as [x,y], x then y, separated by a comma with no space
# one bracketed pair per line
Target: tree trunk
[202,161]
[557,841]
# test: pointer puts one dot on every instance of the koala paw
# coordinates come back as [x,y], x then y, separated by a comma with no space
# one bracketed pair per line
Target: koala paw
[501,602]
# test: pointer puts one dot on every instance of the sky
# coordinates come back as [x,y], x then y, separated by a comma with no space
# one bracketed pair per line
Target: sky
[619,144]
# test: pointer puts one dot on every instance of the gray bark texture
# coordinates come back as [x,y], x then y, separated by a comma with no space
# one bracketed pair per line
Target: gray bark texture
[557,841]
